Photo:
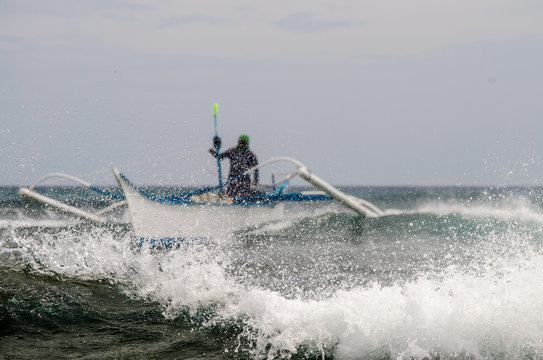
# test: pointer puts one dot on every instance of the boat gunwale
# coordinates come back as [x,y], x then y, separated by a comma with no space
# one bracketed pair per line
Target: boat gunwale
[267,200]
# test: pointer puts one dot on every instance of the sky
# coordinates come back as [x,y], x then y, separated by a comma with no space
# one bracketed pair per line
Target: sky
[382,93]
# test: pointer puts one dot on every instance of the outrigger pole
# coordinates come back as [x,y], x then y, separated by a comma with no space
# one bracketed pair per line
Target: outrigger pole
[217,144]
[97,217]
[360,206]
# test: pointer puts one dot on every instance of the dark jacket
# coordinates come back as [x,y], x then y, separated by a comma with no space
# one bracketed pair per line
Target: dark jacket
[240,161]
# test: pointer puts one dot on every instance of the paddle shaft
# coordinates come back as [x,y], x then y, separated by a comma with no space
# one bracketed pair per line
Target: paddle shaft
[217,144]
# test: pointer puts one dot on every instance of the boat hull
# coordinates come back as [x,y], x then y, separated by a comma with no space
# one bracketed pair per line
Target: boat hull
[153,219]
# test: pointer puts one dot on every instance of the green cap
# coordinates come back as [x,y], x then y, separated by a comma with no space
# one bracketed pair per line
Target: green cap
[244,138]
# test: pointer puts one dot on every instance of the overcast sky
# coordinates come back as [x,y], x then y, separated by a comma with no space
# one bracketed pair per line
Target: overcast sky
[417,92]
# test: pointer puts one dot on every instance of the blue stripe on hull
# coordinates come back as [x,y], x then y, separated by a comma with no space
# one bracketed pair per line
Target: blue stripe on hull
[255,200]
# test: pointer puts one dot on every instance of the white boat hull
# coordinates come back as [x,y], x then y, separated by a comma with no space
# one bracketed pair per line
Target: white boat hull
[162,220]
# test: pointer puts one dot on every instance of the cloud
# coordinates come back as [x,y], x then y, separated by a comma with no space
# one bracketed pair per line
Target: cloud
[306,22]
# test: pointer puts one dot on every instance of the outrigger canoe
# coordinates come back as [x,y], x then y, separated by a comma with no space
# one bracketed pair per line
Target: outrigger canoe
[205,212]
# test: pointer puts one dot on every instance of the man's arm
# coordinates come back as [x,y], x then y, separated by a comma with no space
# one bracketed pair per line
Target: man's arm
[226,154]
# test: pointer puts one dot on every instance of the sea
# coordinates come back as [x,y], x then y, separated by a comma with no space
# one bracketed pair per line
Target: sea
[445,273]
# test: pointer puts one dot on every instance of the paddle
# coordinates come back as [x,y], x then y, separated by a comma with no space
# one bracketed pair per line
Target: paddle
[217,144]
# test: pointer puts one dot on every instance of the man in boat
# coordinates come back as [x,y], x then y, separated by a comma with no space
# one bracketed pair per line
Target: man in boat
[241,160]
